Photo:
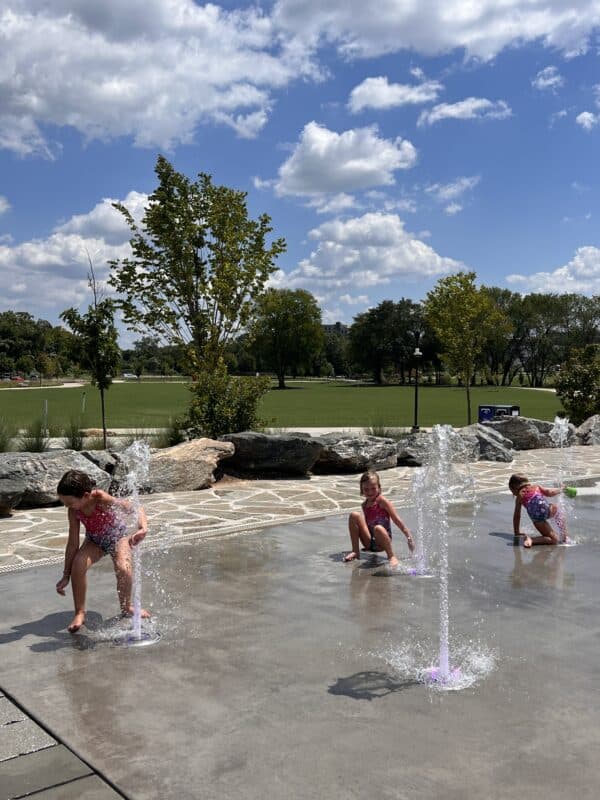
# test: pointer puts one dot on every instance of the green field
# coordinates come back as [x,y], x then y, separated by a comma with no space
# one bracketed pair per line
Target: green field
[311,404]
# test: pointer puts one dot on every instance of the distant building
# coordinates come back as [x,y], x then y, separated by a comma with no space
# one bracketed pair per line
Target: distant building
[337,327]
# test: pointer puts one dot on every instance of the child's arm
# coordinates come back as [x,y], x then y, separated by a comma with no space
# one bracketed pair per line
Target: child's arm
[127,506]
[397,521]
[70,551]
[550,492]
[517,517]
[142,528]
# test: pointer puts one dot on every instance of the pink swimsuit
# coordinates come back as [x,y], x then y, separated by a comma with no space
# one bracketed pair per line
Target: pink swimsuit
[103,528]
[376,515]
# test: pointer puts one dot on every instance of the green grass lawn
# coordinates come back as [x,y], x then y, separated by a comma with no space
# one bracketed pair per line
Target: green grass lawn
[310,404]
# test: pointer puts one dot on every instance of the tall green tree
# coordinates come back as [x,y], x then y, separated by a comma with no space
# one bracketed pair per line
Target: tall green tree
[287,332]
[463,318]
[384,337]
[198,262]
[578,384]
[98,338]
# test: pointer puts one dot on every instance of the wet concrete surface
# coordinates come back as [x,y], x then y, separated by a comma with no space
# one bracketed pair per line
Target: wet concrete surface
[283,673]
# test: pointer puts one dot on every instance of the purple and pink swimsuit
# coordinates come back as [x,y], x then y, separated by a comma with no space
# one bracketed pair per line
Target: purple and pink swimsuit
[103,528]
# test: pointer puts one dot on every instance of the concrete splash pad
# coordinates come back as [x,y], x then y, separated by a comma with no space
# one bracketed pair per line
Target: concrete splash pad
[284,673]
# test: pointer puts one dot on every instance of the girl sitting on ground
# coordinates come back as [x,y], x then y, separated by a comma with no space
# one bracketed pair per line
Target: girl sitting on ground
[372,526]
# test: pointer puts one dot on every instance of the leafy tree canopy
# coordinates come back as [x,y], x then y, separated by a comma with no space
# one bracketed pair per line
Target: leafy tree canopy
[198,262]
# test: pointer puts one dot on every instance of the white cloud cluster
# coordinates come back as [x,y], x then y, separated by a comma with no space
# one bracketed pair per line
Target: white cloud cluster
[581,275]
[363,252]
[150,69]
[4,204]
[324,161]
[52,272]
[470,108]
[449,192]
[548,78]
[482,28]
[587,120]
[378,93]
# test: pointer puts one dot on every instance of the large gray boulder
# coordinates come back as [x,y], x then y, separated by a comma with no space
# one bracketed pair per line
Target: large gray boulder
[490,444]
[415,449]
[273,453]
[347,453]
[526,433]
[588,433]
[37,474]
[11,494]
[186,466]
[412,449]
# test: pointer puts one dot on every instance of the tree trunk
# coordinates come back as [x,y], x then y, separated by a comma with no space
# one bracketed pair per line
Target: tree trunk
[103,418]
[468,388]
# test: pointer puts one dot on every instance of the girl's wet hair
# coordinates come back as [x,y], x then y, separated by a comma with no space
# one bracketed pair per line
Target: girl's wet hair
[75,484]
[517,481]
[368,476]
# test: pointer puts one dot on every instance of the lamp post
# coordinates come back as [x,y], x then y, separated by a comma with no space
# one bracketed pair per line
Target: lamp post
[417,353]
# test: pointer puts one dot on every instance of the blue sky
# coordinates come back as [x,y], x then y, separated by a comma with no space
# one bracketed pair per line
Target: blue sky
[389,148]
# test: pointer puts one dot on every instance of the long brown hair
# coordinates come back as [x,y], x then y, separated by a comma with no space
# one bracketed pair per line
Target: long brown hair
[75,483]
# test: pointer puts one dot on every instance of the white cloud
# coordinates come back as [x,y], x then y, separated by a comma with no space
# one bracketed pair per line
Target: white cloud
[326,161]
[365,251]
[358,300]
[557,115]
[482,28]
[150,69]
[470,108]
[52,272]
[452,209]
[587,120]
[380,94]
[450,191]
[581,275]
[548,78]
[104,221]
[334,205]
[4,204]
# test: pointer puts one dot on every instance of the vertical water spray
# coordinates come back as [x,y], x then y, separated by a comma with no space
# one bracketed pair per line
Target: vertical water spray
[442,484]
[137,461]
[560,437]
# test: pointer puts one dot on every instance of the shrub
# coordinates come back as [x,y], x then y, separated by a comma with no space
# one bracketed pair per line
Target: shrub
[578,384]
[7,433]
[171,435]
[222,403]
[35,439]
[72,435]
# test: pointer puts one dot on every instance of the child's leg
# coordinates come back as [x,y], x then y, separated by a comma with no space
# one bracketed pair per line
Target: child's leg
[384,542]
[87,555]
[121,557]
[561,523]
[359,532]
[548,535]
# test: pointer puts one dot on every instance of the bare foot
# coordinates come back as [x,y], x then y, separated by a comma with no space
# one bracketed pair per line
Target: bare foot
[131,611]
[527,541]
[77,622]
[351,557]
[394,562]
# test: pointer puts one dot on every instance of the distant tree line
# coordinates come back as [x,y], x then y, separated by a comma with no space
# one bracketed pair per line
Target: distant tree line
[530,337]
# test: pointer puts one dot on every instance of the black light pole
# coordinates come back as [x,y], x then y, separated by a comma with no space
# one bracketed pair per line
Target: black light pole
[416,355]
